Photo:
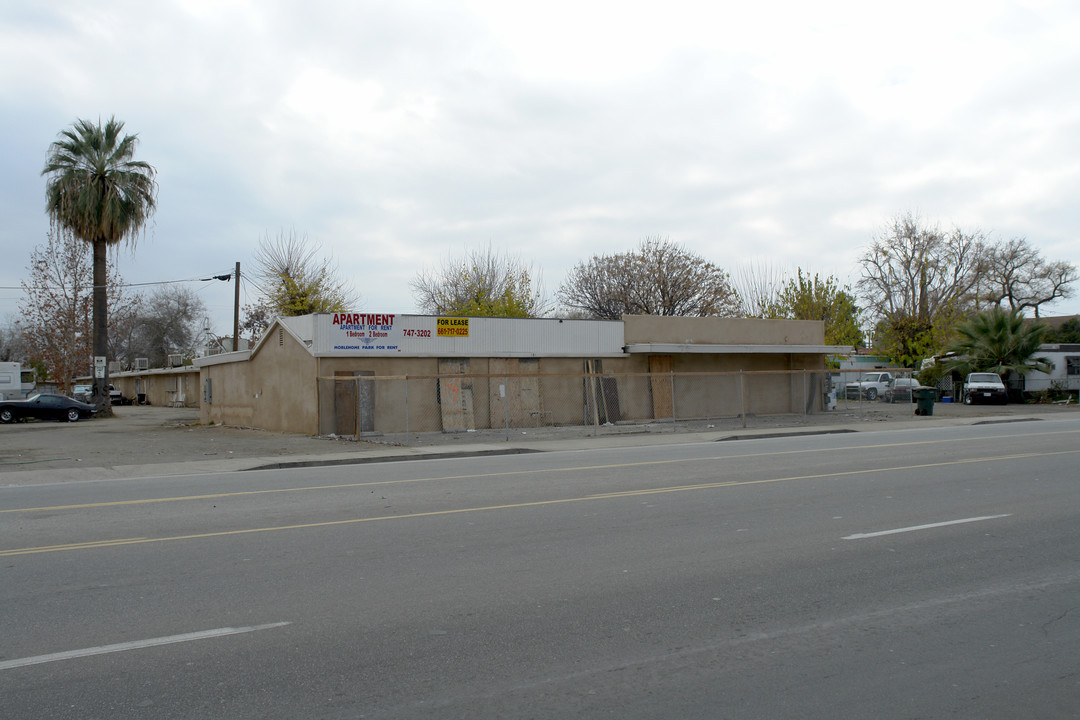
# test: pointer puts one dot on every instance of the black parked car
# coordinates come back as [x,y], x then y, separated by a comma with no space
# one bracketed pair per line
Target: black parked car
[901,390]
[45,406]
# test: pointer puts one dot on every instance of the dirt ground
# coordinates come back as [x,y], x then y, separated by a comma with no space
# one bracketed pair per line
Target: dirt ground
[148,435]
[139,435]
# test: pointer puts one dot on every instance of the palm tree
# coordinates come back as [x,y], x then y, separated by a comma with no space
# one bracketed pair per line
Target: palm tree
[97,193]
[998,341]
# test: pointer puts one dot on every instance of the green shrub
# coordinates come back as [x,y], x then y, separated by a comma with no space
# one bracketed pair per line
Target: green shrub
[930,375]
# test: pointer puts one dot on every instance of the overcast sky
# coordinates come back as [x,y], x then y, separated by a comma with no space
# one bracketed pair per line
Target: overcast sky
[395,133]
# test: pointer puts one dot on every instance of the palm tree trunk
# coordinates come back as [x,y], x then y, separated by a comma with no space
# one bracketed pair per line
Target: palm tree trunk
[101,327]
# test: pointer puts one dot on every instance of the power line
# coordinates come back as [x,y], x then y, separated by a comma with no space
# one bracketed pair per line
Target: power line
[224,276]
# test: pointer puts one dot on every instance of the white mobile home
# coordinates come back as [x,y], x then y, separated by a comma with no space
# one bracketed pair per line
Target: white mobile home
[1065,374]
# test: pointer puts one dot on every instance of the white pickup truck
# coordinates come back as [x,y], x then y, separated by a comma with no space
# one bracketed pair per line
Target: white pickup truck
[985,387]
[870,385]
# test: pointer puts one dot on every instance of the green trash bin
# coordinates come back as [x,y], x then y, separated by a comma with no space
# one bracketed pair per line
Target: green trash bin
[924,397]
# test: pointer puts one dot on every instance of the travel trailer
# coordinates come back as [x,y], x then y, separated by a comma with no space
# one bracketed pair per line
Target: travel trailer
[15,383]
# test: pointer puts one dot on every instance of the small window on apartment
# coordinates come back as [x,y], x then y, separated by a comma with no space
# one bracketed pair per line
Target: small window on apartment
[1072,365]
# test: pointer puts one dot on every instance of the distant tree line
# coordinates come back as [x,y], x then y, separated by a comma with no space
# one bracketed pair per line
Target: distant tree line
[919,283]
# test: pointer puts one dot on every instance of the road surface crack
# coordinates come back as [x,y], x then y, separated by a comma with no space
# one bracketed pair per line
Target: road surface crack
[1047,624]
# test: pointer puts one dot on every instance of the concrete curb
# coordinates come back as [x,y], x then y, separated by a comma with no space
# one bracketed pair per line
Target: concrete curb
[369,454]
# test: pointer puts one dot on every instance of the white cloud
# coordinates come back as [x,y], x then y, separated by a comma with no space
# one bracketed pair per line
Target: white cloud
[394,133]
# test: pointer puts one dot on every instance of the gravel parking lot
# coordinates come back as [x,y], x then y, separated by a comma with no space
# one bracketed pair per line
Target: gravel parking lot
[140,435]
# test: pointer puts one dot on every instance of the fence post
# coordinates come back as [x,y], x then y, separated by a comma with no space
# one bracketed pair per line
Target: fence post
[590,395]
[506,407]
[674,415]
[742,398]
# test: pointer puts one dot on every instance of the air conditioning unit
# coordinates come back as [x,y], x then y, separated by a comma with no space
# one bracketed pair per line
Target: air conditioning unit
[114,367]
[142,363]
[176,360]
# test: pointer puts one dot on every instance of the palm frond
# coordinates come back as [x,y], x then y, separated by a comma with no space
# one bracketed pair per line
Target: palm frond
[999,341]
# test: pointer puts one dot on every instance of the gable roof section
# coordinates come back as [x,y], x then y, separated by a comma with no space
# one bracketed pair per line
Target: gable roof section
[298,328]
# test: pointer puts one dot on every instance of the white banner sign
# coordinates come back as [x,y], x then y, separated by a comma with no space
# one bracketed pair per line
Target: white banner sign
[365,331]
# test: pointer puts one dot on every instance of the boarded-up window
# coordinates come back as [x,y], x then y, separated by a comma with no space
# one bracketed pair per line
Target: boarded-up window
[660,367]
[455,396]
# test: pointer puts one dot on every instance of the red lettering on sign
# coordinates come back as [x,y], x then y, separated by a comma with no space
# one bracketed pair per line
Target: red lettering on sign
[363,319]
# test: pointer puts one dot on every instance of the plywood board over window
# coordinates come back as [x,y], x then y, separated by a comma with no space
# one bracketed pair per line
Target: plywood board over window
[344,403]
[660,367]
[456,396]
[354,402]
[514,394]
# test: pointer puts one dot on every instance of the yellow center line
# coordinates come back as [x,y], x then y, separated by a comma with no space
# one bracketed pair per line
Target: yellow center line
[511,506]
[478,476]
[76,546]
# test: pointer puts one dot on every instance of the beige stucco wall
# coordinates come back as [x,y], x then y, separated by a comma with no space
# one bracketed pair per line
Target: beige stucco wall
[718,395]
[283,387]
[727,331]
[490,382]
[276,389]
[391,396]
[160,387]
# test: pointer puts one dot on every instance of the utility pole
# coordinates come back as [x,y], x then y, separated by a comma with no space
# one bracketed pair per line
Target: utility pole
[236,309]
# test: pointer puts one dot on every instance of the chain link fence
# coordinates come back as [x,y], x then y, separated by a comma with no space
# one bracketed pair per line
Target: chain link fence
[409,409]
[855,390]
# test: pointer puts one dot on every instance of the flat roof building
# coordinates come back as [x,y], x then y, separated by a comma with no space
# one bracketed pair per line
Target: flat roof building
[352,373]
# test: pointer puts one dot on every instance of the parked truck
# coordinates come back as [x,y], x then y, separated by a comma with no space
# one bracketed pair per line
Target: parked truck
[15,382]
[870,385]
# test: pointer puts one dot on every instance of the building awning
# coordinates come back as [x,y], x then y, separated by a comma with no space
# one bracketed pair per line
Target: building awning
[717,349]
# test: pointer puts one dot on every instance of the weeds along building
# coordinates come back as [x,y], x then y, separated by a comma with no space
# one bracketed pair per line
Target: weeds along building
[355,373]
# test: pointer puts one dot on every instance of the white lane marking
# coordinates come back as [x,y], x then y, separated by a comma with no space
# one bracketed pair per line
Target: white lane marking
[861,536]
[136,645]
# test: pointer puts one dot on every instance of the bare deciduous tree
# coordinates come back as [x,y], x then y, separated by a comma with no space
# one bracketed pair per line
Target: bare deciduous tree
[57,308]
[168,323]
[481,282]
[915,270]
[1017,274]
[12,348]
[257,317]
[658,278]
[758,284]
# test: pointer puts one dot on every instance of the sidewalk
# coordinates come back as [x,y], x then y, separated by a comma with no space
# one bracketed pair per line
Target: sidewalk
[159,442]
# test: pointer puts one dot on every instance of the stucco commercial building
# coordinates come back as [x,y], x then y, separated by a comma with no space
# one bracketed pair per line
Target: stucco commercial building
[347,373]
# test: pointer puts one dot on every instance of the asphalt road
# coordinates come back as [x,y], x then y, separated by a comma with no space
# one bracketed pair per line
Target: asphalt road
[914,574]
